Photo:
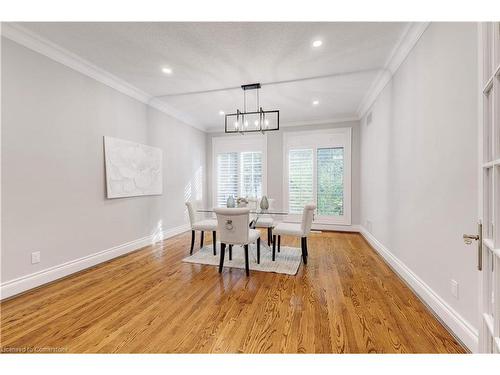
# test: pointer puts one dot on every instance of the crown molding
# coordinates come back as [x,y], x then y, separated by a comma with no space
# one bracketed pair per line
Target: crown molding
[334,120]
[45,47]
[171,111]
[403,47]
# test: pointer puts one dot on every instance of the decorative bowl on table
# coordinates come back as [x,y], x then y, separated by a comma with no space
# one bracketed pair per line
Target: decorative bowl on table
[242,202]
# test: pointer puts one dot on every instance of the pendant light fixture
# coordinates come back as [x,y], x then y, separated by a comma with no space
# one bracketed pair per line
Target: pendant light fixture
[252,121]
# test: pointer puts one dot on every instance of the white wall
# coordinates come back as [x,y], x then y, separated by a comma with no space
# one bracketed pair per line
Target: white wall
[53,177]
[419,165]
[275,161]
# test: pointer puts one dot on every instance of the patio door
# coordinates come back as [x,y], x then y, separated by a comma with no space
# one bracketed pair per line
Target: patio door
[317,168]
[489,236]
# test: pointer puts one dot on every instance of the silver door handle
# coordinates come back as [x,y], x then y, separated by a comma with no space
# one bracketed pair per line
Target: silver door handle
[468,238]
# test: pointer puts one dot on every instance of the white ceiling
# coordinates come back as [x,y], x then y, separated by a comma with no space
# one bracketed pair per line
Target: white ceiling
[211,60]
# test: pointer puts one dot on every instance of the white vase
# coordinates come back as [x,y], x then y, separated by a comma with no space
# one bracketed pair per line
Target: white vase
[230,202]
[264,203]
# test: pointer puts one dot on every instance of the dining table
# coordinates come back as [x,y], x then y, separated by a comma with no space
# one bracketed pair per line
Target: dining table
[255,215]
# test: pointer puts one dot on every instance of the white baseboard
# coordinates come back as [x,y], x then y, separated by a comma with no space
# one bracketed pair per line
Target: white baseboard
[336,227]
[27,282]
[464,331]
[327,226]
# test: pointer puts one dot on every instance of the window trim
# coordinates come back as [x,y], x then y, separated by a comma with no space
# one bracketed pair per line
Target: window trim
[238,143]
[315,139]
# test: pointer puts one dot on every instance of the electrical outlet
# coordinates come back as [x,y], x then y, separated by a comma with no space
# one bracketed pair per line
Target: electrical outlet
[454,288]
[35,257]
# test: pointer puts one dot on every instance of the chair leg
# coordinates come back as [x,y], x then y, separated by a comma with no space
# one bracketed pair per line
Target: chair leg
[214,239]
[304,256]
[305,246]
[274,247]
[192,242]
[247,268]
[222,253]
[201,239]
[230,252]
[269,236]
[279,243]
[258,250]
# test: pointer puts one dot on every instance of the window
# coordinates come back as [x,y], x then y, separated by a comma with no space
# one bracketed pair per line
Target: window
[239,167]
[317,168]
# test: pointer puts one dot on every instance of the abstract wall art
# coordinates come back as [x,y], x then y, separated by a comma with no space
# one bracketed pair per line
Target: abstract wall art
[132,169]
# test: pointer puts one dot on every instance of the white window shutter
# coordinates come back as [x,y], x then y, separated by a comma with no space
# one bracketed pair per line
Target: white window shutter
[300,179]
[251,174]
[227,177]
[239,174]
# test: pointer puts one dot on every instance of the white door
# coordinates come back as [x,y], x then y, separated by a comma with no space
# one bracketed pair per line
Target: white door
[489,236]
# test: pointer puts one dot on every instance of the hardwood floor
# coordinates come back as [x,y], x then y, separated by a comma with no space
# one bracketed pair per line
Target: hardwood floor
[346,300]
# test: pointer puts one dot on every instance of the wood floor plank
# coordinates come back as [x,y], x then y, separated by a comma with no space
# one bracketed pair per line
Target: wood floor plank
[345,300]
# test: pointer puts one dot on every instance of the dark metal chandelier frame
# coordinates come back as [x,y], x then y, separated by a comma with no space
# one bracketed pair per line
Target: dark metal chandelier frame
[240,116]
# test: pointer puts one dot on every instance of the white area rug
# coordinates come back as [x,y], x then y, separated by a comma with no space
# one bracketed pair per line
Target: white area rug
[287,260]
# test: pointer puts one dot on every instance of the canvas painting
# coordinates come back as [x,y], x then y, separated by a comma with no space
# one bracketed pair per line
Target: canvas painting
[132,168]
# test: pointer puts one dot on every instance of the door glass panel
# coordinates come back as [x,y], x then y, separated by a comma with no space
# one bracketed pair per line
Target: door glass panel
[496,207]
[495,119]
[488,126]
[496,43]
[330,181]
[487,51]
[487,214]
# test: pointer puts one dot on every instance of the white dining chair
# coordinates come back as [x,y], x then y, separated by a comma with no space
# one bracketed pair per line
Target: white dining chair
[207,225]
[232,225]
[301,230]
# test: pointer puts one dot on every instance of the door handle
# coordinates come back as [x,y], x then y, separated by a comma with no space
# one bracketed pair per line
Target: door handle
[468,238]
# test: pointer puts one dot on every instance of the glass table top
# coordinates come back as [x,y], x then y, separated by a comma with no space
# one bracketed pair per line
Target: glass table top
[252,211]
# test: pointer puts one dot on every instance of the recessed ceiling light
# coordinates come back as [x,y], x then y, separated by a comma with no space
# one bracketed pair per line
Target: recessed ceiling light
[315,102]
[166,70]
[222,113]
[317,43]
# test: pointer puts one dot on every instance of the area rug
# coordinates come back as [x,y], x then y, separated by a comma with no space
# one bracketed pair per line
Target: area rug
[287,260]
